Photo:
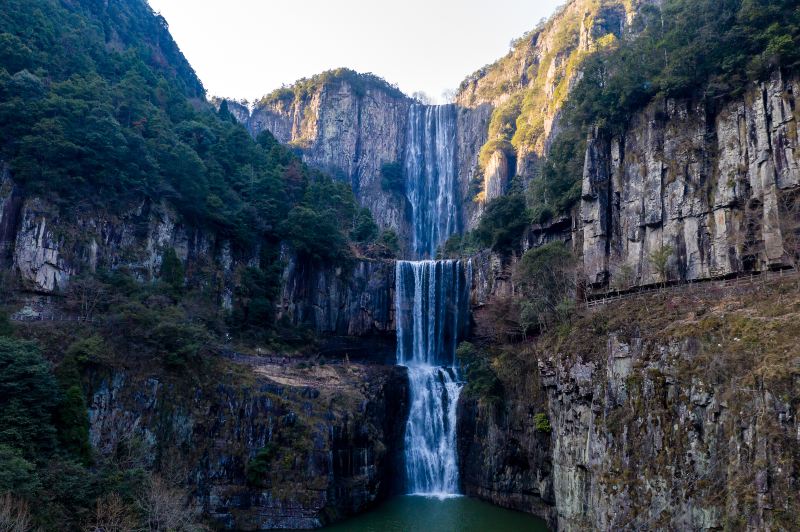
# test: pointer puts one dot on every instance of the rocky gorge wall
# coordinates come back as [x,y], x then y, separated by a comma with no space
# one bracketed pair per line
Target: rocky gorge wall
[712,185]
[670,412]
[328,436]
[44,250]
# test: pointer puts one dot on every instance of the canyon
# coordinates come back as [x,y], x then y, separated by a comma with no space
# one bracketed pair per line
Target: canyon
[671,410]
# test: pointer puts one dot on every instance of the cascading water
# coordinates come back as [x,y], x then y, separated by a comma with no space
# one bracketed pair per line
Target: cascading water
[430,165]
[432,304]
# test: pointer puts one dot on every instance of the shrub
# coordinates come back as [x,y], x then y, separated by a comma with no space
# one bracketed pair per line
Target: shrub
[482,381]
[546,277]
[503,223]
[392,179]
[365,230]
[28,397]
[259,467]
[542,423]
[172,270]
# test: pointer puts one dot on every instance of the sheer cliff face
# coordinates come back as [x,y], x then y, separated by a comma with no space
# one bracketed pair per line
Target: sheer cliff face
[711,185]
[349,133]
[46,250]
[675,412]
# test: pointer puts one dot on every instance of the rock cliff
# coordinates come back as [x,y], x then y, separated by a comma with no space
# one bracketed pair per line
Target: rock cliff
[528,87]
[673,412]
[45,249]
[716,186]
[328,437]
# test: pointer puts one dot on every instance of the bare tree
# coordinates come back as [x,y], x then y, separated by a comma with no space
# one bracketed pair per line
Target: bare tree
[547,278]
[498,320]
[85,295]
[423,98]
[14,514]
[111,514]
[165,507]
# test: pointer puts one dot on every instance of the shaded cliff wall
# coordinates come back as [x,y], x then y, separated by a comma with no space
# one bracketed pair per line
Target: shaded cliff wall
[44,250]
[708,183]
[353,301]
[333,442]
[674,412]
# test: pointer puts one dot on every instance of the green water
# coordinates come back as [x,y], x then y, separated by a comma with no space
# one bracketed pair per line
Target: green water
[421,514]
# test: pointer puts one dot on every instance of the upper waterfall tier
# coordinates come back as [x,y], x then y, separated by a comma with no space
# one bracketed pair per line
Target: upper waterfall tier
[431,168]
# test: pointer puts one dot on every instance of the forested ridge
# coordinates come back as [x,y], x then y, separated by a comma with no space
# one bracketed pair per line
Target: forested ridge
[101,113]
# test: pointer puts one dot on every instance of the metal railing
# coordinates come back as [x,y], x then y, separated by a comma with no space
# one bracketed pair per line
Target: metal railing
[687,286]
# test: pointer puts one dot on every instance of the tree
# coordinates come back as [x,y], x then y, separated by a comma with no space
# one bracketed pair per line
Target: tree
[546,278]
[789,211]
[172,270]
[392,179]
[111,514]
[659,260]
[503,223]
[85,295]
[28,397]
[15,516]
[165,507]
[365,230]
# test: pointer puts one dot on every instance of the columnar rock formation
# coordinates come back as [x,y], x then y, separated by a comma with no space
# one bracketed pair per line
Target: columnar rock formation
[709,184]
[330,459]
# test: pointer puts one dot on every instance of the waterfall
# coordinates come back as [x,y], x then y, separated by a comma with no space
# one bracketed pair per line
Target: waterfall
[432,314]
[430,165]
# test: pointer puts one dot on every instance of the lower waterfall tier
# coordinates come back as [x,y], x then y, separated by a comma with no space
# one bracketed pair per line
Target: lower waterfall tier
[430,440]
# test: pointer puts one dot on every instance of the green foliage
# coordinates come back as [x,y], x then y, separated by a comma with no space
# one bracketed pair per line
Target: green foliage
[95,123]
[542,423]
[713,46]
[390,243]
[318,228]
[502,128]
[659,260]
[503,223]
[392,179]
[259,467]
[6,329]
[28,397]
[365,230]
[256,297]
[303,88]
[172,270]
[72,422]
[559,187]
[87,350]
[16,473]
[546,278]
[457,246]
[482,381]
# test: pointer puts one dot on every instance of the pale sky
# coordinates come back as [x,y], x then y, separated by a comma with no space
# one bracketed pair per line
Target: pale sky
[247,48]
